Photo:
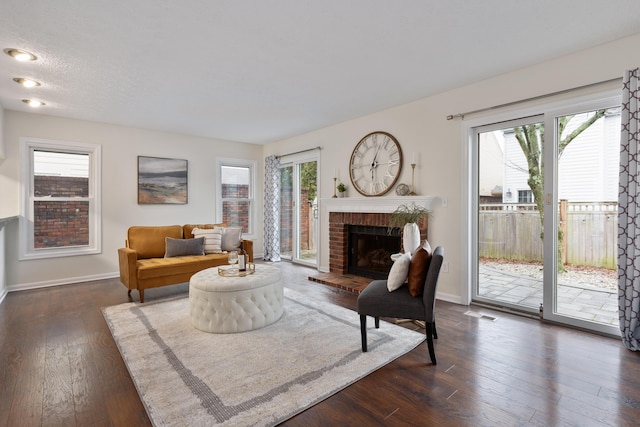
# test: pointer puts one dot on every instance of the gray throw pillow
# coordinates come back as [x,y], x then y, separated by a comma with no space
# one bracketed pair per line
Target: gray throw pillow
[183,247]
[230,238]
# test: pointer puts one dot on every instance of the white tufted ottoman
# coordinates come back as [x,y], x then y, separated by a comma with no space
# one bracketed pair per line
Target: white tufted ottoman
[235,304]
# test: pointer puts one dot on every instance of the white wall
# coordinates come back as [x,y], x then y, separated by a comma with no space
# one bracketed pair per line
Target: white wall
[441,147]
[120,148]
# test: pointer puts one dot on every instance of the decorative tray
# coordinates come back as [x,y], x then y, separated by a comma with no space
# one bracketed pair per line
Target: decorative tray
[229,271]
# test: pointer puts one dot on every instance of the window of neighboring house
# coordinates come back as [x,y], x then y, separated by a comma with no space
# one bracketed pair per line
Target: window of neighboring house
[60,199]
[525,196]
[235,203]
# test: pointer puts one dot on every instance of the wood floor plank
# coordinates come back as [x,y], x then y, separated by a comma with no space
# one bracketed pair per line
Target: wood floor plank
[87,393]
[8,354]
[25,361]
[58,408]
[123,411]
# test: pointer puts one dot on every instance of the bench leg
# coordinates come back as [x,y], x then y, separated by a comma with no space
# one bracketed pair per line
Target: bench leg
[363,332]
[141,292]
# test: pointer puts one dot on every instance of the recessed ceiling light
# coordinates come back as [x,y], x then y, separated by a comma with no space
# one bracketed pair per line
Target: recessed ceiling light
[20,55]
[26,82]
[33,103]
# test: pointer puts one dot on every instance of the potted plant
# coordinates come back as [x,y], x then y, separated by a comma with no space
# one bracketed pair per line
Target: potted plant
[407,216]
[342,189]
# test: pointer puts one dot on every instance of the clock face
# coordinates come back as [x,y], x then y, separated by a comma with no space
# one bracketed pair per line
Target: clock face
[375,164]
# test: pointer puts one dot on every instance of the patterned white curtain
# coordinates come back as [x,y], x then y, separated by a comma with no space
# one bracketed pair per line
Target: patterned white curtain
[272,209]
[629,214]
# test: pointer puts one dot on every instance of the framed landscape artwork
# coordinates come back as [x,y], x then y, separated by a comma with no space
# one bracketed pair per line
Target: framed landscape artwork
[162,181]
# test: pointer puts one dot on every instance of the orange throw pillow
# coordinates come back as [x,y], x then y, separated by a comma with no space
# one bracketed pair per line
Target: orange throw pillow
[418,268]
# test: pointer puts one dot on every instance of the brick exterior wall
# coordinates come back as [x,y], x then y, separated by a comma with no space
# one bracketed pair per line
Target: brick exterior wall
[60,223]
[235,191]
[339,237]
[236,213]
[60,186]
[305,210]
[286,221]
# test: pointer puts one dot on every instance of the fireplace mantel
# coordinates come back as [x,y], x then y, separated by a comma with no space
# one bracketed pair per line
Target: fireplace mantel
[373,204]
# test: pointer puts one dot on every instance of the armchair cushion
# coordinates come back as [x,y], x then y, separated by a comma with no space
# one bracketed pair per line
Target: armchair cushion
[188,228]
[149,241]
[399,272]
[230,238]
[212,239]
[418,269]
[184,247]
[376,300]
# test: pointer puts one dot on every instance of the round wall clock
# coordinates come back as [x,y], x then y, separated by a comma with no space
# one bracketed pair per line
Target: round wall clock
[375,164]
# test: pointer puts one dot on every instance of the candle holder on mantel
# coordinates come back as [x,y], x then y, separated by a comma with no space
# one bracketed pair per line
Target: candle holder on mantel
[334,188]
[413,171]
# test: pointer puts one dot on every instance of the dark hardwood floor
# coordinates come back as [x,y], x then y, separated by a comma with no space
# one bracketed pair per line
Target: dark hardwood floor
[60,366]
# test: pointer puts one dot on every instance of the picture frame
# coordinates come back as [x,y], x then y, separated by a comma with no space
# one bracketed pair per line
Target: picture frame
[162,181]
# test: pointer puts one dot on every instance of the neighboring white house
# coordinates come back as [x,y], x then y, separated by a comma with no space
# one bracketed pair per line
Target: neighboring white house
[588,167]
[491,158]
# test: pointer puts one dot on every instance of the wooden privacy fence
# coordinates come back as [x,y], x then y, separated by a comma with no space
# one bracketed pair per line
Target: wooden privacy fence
[512,231]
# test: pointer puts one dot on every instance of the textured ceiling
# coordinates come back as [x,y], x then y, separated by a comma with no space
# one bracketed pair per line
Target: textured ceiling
[259,71]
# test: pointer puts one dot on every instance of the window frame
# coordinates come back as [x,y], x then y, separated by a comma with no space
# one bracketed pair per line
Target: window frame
[525,194]
[234,162]
[26,245]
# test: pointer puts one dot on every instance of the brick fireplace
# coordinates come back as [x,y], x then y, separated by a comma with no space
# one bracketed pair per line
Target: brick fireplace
[339,234]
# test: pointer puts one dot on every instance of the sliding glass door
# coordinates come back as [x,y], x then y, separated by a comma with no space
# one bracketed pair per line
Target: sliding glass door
[510,242]
[299,211]
[582,207]
[545,214]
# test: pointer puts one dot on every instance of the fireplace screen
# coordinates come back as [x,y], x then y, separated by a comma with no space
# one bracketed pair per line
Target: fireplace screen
[370,249]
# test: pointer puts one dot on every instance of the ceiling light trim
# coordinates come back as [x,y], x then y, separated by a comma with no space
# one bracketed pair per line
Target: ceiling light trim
[26,82]
[20,54]
[34,103]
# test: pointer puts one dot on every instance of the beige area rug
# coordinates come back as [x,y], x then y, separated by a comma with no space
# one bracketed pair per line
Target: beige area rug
[262,377]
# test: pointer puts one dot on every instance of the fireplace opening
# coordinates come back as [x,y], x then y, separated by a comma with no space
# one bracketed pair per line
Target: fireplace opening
[369,250]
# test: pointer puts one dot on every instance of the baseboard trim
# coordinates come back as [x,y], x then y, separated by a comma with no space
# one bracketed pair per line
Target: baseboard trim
[3,294]
[449,298]
[60,282]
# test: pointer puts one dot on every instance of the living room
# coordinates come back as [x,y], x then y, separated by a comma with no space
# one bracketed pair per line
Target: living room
[420,125]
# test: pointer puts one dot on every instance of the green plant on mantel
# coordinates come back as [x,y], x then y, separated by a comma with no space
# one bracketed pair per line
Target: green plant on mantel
[406,214]
[341,188]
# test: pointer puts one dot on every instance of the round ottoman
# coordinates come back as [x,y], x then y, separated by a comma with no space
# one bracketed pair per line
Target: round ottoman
[235,304]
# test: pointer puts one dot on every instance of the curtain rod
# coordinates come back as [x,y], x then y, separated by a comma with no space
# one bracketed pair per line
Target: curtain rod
[298,152]
[534,98]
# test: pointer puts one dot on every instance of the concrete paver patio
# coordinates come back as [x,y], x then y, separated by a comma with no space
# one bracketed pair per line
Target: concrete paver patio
[593,304]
